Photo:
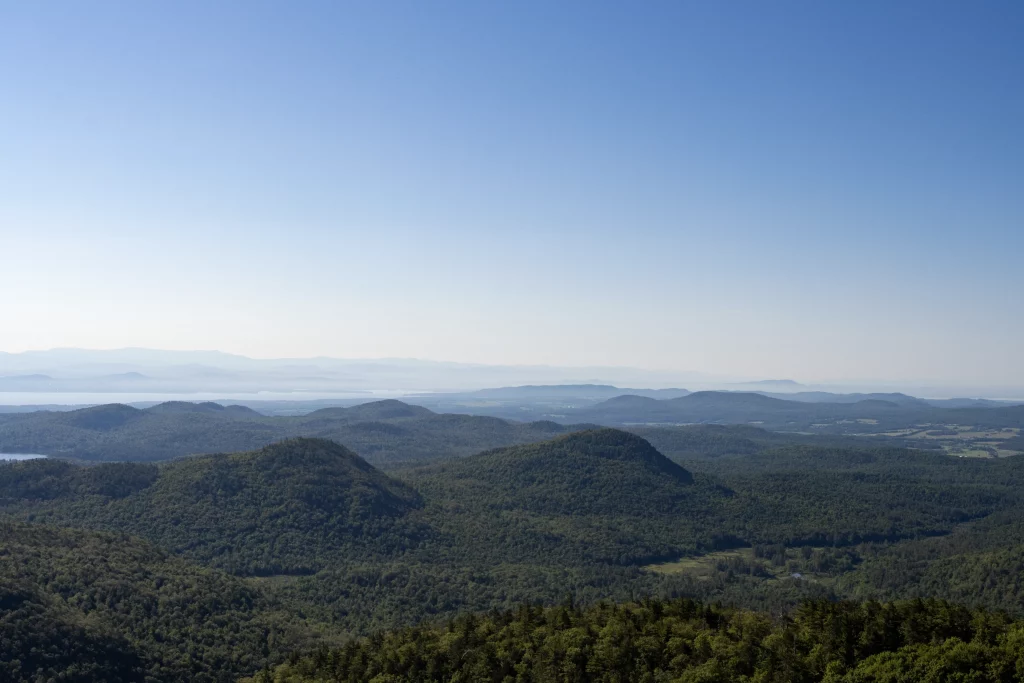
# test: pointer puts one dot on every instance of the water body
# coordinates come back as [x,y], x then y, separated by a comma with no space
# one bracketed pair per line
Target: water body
[20,456]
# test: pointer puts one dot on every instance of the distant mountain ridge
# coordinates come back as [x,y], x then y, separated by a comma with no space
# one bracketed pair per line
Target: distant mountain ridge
[567,391]
[83,370]
[383,431]
[773,383]
[870,412]
[828,397]
[391,432]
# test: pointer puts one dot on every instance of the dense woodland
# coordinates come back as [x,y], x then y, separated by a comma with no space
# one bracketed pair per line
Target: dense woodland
[86,606]
[684,641]
[219,566]
[291,508]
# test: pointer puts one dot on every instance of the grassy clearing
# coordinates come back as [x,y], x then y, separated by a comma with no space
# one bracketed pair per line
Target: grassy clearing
[963,441]
[741,561]
[701,565]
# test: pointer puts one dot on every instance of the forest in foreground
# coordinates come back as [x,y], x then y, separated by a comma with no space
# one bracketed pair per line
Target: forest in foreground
[685,642]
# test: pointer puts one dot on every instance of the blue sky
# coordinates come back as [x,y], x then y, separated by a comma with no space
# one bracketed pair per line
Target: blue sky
[801,189]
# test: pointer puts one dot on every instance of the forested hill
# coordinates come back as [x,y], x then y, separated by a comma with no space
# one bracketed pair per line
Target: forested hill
[289,508]
[604,471]
[688,642]
[600,495]
[383,431]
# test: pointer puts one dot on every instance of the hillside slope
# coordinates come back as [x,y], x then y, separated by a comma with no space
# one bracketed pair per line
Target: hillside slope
[86,606]
[598,472]
[288,508]
[601,495]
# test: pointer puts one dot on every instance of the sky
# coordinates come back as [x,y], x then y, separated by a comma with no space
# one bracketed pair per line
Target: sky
[817,191]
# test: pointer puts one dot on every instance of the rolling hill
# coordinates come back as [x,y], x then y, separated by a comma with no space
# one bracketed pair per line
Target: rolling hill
[601,495]
[289,508]
[393,434]
[598,472]
[384,432]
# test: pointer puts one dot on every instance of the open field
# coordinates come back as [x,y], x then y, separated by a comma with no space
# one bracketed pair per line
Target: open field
[964,441]
[702,565]
[777,564]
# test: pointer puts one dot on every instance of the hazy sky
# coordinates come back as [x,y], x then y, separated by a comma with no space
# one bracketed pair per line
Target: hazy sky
[816,190]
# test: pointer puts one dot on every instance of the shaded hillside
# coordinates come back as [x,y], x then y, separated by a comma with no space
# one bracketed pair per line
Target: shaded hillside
[87,606]
[980,564]
[600,472]
[44,479]
[104,418]
[44,639]
[291,507]
[383,432]
[803,495]
[602,495]
[116,432]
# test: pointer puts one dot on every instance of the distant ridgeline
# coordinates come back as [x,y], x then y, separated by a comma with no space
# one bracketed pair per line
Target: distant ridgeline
[217,566]
[383,431]
[391,433]
[868,415]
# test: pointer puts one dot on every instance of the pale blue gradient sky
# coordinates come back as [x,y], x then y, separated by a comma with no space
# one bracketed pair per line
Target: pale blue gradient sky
[799,189]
